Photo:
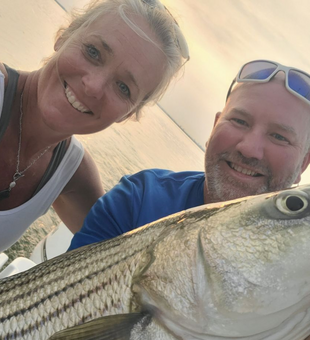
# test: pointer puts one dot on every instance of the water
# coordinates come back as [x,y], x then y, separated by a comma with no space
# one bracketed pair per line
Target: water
[153,142]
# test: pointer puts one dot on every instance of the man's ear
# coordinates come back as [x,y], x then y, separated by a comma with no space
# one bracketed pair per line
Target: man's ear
[304,166]
[217,116]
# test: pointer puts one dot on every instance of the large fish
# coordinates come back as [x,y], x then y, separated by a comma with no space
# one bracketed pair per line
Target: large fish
[234,270]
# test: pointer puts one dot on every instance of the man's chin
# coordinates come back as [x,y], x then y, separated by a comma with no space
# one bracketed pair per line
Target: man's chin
[230,192]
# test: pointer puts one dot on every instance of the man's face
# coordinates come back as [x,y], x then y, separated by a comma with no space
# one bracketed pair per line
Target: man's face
[258,144]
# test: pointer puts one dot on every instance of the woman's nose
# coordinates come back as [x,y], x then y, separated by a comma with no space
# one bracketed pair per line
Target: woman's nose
[95,84]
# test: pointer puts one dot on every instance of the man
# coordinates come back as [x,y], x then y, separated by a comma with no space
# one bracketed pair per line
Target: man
[259,143]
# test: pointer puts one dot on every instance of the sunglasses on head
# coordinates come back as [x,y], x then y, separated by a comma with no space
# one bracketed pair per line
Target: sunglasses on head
[261,71]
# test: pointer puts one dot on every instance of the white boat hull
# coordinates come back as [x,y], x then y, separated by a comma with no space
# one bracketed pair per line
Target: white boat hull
[55,243]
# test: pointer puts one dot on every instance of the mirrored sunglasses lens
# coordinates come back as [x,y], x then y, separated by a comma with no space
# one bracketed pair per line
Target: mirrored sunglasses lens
[257,70]
[300,83]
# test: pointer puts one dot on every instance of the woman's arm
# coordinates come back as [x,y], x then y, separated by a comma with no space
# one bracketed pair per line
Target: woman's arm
[113,214]
[79,195]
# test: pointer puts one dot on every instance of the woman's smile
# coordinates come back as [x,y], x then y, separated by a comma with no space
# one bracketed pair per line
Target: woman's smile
[74,101]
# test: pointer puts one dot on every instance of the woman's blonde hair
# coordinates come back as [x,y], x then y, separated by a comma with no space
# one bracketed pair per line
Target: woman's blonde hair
[161,22]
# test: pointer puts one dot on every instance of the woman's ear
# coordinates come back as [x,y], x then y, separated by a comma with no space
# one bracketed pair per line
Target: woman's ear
[59,42]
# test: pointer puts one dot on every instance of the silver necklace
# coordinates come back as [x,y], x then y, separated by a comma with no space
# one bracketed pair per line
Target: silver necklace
[19,173]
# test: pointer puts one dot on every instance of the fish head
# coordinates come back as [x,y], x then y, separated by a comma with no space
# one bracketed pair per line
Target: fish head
[234,269]
[256,257]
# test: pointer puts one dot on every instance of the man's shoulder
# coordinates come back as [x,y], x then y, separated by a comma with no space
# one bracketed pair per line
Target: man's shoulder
[163,178]
[163,175]
[155,193]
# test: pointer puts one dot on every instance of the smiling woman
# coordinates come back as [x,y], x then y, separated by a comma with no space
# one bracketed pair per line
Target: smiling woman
[113,59]
[111,86]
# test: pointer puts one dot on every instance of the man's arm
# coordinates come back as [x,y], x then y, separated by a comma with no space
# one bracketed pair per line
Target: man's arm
[79,195]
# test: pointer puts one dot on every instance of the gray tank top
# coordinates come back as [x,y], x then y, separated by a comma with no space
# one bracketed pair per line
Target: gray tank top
[9,94]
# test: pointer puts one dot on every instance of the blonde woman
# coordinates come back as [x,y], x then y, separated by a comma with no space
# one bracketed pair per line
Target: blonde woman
[111,61]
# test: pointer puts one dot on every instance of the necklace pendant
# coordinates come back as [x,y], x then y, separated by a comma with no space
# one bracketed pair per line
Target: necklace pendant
[5,193]
[12,185]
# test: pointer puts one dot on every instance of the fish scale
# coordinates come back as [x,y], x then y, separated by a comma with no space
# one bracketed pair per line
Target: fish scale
[237,269]
[64,289]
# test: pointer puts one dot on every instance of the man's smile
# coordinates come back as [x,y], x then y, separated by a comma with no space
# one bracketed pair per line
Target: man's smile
[242,170]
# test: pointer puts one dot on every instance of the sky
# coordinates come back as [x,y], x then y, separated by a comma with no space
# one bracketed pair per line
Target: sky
[223,35]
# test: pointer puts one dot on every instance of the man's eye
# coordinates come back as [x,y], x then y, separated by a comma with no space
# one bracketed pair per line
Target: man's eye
[92,51]
[280,138]
[124,89]
[239,121]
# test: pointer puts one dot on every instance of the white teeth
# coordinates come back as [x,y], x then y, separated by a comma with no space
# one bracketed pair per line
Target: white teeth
[74,102]
[242,170]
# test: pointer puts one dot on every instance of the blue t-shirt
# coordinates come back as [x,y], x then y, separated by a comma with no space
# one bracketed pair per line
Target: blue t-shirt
[140,199]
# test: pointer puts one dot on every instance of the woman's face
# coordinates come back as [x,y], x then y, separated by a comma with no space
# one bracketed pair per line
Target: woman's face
[99,77]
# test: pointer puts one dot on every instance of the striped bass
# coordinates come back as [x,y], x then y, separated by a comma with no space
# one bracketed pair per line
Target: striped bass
[232,270]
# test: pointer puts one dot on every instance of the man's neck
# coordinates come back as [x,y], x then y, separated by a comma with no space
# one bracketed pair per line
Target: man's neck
[206,195]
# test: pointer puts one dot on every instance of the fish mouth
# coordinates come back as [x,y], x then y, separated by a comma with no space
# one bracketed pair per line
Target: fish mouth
[244,171]
[74,101]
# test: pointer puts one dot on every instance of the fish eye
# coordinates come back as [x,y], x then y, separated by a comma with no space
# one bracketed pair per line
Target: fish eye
[291,204]
[294,203]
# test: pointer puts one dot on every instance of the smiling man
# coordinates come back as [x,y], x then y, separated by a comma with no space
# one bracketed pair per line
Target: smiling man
[259,143]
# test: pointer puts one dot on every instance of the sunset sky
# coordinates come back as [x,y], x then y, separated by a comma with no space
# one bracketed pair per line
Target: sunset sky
[222,35]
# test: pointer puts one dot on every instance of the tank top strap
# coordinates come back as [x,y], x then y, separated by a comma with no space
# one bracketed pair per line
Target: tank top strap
[9,94]
[58,155]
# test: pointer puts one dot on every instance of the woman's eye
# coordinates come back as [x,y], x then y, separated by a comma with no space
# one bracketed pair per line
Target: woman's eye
[92,51]
[124,89]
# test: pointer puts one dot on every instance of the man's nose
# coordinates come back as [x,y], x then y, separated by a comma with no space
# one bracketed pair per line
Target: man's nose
[95,84]
[251,145]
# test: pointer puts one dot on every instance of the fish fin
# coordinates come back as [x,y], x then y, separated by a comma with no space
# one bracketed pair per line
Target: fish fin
[112,327]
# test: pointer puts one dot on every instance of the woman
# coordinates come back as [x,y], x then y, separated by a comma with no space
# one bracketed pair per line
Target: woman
[111,61]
